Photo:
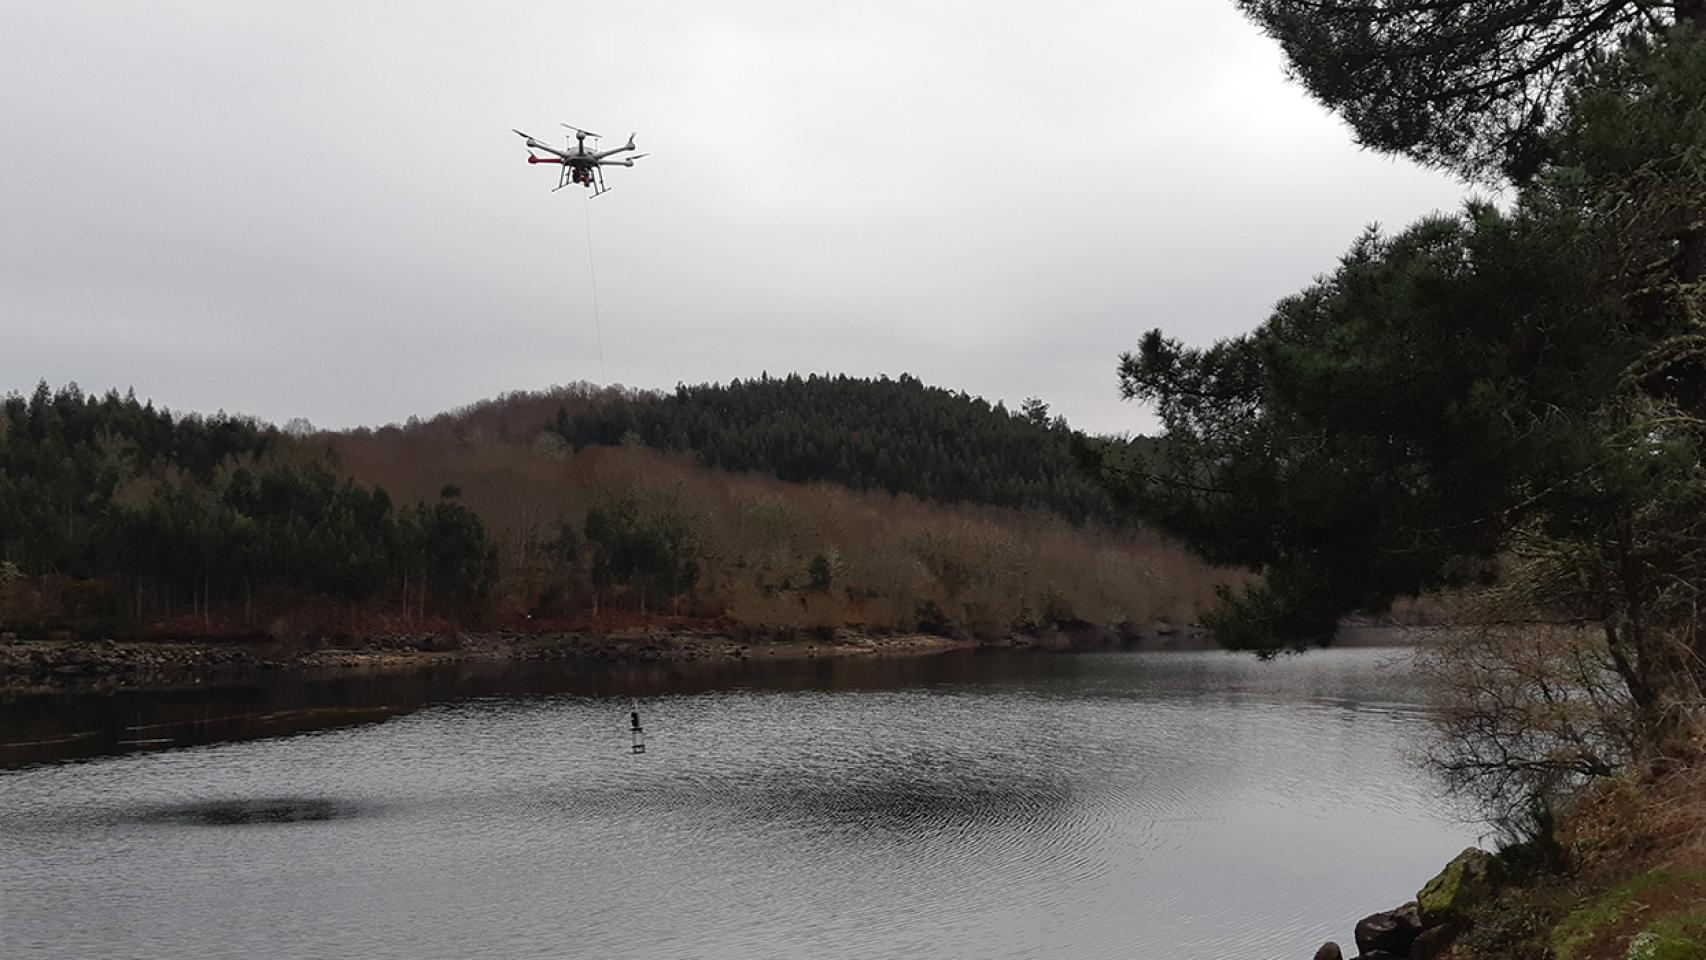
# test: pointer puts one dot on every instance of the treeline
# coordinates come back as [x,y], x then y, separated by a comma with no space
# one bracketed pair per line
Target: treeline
[1508,402]
[898,436]
[117,518]
[113,512]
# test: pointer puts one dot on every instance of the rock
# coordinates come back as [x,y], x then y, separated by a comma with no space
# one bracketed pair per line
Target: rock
[1434,941]
[1378,955]
[1465,883]
[1392,931]
[1643,946]
[1329,951]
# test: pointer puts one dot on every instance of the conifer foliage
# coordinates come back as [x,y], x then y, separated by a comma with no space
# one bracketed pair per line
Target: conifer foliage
[1510,396]
[899,436]
[152,515]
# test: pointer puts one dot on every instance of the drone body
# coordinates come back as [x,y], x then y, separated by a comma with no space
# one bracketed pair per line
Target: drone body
[580,165]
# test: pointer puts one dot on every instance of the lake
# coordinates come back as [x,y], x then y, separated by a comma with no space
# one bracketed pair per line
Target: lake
[975,805]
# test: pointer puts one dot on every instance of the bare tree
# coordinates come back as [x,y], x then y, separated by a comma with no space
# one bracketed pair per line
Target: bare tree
[1526,710]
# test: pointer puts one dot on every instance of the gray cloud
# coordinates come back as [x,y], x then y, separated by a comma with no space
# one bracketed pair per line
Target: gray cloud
[316,209]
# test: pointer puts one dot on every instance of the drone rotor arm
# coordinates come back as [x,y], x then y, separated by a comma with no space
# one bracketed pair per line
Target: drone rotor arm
[561,155]
[610,153]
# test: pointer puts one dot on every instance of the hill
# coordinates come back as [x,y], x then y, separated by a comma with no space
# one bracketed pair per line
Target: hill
[121,519]
[897,436]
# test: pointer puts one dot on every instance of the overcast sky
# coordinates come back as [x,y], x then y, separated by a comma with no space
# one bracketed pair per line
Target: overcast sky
[318,210]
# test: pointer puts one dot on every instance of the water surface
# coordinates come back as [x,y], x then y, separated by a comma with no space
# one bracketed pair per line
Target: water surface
[970,806]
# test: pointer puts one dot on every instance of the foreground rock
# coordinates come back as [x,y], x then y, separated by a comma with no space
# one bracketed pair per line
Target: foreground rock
[1392,931]
[1425,928]
[1466,882]
[1434,942]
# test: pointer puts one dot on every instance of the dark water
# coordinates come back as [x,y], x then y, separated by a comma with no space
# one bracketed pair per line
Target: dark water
[1097,805]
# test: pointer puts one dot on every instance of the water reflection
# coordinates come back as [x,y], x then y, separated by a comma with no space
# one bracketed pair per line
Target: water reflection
[37,728]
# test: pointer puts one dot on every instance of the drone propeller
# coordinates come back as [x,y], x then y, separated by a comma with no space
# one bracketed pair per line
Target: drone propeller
[637,156]
[584,133]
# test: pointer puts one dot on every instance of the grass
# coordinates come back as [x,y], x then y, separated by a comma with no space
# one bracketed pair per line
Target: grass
[1571,937]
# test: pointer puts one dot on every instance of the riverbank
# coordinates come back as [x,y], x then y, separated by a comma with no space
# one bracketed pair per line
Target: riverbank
[64,664]
[68,664]
[1622,877]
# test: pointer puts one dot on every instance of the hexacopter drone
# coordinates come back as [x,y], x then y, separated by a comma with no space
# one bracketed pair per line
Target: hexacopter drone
[579,164]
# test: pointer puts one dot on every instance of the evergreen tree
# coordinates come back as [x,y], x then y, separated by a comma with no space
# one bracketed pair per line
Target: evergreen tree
[1525,386]
[1470,85]
[893,435]
[186,513]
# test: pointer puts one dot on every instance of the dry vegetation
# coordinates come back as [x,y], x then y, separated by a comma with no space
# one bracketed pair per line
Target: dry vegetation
[892,561]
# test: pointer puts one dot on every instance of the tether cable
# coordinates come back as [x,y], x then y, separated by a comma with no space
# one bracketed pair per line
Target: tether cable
[592,272]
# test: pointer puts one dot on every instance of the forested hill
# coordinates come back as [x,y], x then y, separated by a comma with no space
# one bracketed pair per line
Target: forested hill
[114,513]
[895,435]
[121,519]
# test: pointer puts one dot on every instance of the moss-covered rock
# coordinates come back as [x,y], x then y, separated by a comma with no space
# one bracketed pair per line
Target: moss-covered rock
[1465,883]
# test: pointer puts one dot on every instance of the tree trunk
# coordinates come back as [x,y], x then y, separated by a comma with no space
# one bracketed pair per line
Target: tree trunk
[1692,265]
[1658,680]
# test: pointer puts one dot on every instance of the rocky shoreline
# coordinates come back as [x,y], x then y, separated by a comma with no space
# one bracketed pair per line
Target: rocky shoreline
[1426,927]
[63,664]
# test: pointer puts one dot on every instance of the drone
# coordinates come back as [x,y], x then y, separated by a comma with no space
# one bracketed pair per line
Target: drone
[580,165]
